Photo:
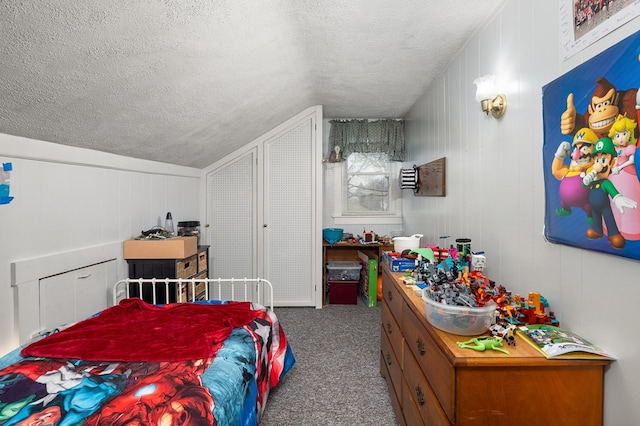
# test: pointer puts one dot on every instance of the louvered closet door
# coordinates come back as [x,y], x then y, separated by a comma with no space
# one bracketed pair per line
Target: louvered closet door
[289,215]
[232,218]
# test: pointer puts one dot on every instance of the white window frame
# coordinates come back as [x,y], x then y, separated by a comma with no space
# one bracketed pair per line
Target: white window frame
[393,217]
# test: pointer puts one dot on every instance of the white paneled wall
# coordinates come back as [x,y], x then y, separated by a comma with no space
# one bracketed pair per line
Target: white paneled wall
[68,198]
[495,188]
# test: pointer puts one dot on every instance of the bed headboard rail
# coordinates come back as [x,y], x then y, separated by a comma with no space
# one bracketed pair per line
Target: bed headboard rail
[256,290]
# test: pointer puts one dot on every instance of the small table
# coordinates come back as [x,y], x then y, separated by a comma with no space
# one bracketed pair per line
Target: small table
[347,251]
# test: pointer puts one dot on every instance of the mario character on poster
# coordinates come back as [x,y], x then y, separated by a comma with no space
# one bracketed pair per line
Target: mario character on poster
[591,170]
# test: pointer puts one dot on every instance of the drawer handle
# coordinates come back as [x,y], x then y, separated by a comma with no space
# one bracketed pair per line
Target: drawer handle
[420,345]
[389,328]
[390,295]
[186,265]
[419,395]
[388,358]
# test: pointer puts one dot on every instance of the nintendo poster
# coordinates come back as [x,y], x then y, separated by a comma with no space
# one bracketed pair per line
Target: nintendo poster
[591,170]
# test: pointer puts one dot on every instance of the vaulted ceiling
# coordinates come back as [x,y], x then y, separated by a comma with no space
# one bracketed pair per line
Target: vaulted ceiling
[190,81]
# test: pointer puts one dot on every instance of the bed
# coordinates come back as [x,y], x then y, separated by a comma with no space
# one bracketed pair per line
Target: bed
[212,358]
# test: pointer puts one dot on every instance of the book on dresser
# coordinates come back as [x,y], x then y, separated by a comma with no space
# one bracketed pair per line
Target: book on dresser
[557,343]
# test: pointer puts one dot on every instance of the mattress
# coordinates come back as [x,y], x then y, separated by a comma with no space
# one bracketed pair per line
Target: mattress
[143,373]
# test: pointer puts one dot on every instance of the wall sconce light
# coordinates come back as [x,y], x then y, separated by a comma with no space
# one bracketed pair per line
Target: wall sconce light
[486,95]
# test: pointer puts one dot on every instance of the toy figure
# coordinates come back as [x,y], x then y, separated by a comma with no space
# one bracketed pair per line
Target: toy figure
[601,190]
[572,192]
[481,344]
[478,261]
[504,330]
[624,175]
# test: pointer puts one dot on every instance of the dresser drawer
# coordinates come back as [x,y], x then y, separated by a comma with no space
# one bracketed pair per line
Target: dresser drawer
[417,394]
[395,402]
[411,413]
[188,267]
[392,364]
[392,298]
[393,332]
[202,261]
[188,291]
[432,362]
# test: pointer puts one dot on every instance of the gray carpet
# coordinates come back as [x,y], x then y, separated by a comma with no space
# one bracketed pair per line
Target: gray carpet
[336,378]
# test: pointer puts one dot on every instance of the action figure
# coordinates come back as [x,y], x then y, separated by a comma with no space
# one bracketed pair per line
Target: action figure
[481,344]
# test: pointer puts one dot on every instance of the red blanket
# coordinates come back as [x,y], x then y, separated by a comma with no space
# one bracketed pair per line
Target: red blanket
[138,331]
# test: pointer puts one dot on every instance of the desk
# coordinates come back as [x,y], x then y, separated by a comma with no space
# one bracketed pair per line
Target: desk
[347,251]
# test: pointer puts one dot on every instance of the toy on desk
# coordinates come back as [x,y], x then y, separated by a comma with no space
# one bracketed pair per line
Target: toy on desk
[504,330]
[426,253]
[408,280]
[447,282]
[478,261]
[481,344]
[368,236]
[533,310]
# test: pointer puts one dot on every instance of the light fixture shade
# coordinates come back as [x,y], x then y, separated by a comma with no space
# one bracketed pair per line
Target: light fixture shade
[485,87]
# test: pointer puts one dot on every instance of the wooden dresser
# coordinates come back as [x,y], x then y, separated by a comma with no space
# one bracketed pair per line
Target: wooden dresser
[432,381]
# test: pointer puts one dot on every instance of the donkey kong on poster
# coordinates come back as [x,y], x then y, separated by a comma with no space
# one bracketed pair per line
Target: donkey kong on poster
[591,170]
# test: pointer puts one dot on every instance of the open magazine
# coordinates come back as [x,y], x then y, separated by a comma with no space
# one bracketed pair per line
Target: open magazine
[554,342]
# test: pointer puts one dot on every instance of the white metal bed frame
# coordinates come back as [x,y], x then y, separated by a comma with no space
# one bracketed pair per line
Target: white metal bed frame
[235,289]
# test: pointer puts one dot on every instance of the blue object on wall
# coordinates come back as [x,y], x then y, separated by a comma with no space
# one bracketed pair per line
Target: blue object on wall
[5,175]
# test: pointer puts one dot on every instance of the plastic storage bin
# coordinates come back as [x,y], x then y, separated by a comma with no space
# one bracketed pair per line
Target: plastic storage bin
[343,270]
[459,319]
[189,228]
[343,292]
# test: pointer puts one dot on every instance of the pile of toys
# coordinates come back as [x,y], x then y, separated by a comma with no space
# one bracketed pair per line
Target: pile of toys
[447,280]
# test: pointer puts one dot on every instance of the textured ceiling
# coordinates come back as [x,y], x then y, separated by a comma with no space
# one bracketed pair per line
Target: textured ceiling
[190,81]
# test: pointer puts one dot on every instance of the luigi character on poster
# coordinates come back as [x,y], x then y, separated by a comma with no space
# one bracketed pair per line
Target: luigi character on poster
[592,189]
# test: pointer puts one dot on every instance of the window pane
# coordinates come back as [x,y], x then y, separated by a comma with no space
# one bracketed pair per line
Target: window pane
[367,193]
[367,163]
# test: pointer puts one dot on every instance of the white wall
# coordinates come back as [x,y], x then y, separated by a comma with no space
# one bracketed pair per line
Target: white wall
[68,198]
[495,188]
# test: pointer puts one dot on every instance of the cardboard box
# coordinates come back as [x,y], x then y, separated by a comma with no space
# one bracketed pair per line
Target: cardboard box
[369,279]
[171,248]
[398,264]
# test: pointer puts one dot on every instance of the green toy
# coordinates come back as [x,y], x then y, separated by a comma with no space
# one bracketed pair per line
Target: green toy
[481,344]
[426,252]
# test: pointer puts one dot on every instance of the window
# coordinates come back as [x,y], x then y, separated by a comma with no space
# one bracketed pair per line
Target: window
[366,187]
[367,183]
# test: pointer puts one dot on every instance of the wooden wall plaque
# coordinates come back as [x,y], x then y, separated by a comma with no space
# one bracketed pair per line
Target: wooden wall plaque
[431,179]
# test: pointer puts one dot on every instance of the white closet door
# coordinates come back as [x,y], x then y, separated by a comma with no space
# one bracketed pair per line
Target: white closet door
[232,218]
[289,215]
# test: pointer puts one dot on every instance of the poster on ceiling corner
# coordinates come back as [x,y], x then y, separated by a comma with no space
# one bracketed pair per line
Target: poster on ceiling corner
[582,22]
[591,170]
